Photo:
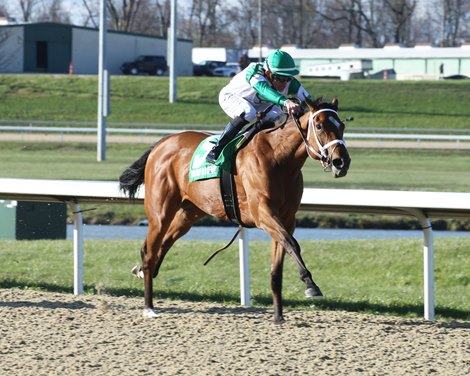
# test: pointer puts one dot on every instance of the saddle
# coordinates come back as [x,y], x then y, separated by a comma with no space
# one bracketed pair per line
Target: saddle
[223,168]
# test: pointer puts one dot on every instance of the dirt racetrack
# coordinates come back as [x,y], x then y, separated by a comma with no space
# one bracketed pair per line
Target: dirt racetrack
[60,334]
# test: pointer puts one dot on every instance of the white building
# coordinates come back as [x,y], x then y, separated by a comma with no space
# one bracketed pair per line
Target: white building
[419,62]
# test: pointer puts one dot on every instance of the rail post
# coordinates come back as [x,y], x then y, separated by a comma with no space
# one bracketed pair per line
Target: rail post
[245,293]
[77,248]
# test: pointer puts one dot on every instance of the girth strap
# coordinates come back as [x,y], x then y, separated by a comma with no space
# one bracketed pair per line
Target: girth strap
[229,196]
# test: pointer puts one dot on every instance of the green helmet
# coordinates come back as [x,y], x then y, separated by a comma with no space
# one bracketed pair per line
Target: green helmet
[281,63]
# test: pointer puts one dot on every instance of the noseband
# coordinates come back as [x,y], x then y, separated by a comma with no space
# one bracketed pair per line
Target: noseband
[321,154]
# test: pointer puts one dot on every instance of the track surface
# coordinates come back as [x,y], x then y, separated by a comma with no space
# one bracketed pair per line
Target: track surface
[61,334]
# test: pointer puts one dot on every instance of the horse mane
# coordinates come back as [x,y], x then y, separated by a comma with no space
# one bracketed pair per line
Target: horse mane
[318,103]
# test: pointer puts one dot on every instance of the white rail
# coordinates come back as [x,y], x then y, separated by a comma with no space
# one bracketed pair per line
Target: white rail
[165,131]
[422,205]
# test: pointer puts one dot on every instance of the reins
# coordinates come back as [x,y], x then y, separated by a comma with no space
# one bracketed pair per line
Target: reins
[215,253]
[321,154]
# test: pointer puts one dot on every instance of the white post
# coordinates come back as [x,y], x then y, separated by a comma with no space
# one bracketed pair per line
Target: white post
[77,249]
[428,262]
[245,294]
[428,258]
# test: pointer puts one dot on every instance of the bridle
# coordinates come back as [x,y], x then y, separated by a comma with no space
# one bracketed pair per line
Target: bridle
[321,154]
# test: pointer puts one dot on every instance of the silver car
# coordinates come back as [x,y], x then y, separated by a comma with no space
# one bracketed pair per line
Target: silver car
[228,70]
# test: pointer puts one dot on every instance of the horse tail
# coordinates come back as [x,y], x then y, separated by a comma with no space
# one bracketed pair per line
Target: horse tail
[133,177]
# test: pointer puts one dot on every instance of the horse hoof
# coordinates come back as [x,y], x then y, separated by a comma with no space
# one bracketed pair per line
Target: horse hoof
[313,292]
[149,313]
[138,272]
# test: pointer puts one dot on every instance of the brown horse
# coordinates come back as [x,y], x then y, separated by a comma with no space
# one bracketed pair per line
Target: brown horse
[269,186]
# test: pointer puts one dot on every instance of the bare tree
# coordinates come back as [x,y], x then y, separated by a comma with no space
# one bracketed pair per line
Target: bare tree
[122,13]
[202,22]
[152,17]
[304,23]
[53,11]
[28,8]
[363,19]
[296,23]
[246,32]
[92,14]
[401,12]
[163,16]
[453,13]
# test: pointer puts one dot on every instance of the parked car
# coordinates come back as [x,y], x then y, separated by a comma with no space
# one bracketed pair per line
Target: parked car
[151,64]
[228,70]
[206,68]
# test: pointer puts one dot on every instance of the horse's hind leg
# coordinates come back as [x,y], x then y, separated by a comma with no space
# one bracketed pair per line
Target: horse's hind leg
[182,221]
[181,224]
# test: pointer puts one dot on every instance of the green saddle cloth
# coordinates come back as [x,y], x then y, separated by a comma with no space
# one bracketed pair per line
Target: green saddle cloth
[199,169]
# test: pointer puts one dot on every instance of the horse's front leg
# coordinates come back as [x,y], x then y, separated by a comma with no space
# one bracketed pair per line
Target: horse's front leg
[277,262]
[287,243]
[312,290]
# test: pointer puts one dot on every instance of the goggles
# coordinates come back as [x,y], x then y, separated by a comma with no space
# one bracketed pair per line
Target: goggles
[282,79]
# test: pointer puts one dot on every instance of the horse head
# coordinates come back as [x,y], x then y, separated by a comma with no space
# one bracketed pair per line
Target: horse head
[324,139]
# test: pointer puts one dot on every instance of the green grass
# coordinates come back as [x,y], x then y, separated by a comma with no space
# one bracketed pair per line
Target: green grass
[400,169]
[374,104]
[407,169]
[373,276]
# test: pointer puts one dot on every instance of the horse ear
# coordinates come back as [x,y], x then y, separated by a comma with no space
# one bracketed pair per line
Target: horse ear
[335,102]
[310,104]
[313,105]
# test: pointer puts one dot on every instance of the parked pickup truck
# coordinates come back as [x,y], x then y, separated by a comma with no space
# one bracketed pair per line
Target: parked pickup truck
[150,64]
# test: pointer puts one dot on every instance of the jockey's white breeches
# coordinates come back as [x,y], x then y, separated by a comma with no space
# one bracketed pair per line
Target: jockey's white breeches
[234,105]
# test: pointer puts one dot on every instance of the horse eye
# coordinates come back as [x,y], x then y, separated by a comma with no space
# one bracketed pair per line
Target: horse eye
[319,126]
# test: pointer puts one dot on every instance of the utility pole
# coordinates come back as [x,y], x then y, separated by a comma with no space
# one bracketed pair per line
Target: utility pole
[260,30]
[103,86]
[173,37]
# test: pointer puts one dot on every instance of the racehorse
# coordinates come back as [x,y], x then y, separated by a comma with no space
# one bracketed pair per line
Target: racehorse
[268,181]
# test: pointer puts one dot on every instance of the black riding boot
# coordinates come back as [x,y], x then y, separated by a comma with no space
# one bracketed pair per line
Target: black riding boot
[231,130]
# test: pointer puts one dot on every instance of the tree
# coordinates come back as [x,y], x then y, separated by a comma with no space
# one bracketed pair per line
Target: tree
[123,13]
[92,14]
[400,12]
[53,11]
[453,13]
[28,8]
[295,23]
[364,21]
[304,23]
[202,22]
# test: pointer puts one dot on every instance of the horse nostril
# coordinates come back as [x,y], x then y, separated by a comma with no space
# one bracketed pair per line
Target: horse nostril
[338,163]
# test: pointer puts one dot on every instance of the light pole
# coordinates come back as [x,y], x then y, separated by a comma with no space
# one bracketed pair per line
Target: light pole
[260,31]
[103,86]
[173,37]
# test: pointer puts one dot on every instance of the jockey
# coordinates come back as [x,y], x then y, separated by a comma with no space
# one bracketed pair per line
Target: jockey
[257,87]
